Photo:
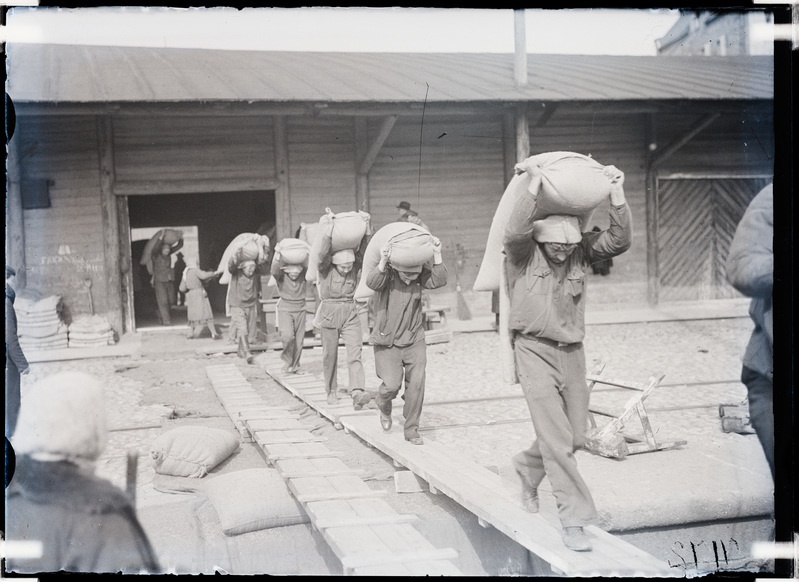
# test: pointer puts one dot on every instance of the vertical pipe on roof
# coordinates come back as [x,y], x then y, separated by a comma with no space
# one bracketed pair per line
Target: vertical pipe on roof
[520,62]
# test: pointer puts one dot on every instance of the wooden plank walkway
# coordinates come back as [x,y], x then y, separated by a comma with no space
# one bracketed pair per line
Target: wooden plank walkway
[494,501]
[367,535]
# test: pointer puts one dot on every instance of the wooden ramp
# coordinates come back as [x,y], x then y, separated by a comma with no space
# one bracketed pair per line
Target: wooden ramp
[491,499]
[365,532]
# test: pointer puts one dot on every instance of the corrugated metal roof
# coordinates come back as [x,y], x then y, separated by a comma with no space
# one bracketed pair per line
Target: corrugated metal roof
[91,74]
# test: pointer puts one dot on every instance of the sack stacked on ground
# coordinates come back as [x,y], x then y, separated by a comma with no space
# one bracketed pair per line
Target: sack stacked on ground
[39,324]
[191,451]
[564,182]
[90,331]
[171,236]
[411,246]
[294,251]
[254,247]
[349,228]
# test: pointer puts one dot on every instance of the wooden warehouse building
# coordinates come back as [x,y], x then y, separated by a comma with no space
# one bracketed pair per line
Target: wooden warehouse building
[111,139]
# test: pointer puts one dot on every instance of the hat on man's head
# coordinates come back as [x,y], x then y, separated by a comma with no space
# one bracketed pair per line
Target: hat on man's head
[557,228]
[404,205]
[62,417]
[343,257]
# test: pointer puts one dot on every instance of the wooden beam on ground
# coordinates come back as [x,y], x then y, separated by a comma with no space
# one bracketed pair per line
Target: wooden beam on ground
[374,148]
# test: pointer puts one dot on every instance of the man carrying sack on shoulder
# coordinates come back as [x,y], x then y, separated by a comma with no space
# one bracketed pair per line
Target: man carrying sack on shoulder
[546,282]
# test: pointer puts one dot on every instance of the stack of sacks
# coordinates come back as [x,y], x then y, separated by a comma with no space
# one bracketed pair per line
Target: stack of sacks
[90,331]
[563,183]
[411,246]
[349,228]
[39,324]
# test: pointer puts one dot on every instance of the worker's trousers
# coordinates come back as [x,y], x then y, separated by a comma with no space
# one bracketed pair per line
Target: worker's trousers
[760,391]
[292,334]
[164,291]
[391,364]
[553,380]
[349,330]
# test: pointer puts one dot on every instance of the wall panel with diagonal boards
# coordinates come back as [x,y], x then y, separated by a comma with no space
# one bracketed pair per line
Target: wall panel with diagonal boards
[696,224]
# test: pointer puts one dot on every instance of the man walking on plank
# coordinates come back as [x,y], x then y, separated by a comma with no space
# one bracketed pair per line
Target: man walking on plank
[546,280]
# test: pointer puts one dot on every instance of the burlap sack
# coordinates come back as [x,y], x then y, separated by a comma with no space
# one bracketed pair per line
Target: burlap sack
[294,251]
[255,247]
[411,246]
[171,236]
[564,182]
[349,228]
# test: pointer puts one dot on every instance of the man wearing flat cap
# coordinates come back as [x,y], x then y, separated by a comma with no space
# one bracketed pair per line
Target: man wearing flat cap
[406,214]
[546,261]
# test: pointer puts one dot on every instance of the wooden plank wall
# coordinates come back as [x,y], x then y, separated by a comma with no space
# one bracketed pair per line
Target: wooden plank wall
[459,185]
[64,243]
[321,167]
[181,148]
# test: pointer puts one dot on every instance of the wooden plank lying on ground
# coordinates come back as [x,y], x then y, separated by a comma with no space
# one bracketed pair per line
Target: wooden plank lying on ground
[268,437]
[493,501]
[307,489]
[296,451]
[349,512]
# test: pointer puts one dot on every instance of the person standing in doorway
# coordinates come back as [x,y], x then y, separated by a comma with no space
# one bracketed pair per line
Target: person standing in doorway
[180,266]
[164,277]
[546,282]
[337,315]
[750,269]
[16,363]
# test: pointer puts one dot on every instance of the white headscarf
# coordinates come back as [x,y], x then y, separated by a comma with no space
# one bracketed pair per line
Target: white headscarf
[62,417]
[557,228]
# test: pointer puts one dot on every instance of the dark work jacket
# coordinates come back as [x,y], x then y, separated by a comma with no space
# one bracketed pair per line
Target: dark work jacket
[85,524]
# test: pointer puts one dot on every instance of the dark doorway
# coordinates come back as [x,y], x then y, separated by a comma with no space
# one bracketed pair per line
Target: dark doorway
[218,218]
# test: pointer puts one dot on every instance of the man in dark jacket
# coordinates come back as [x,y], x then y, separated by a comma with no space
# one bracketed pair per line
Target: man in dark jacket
[750,269]
[16,363]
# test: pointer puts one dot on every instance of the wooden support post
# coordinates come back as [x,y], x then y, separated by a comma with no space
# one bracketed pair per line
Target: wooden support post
[374,148]
[522,133]
[108,204]
[15,223]
[361,179]
[652,216]
[282,192]
[509,145]
[128,263]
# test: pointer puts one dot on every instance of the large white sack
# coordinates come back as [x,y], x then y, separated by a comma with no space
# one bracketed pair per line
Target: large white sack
[565,183]
[294,251]
[171,236]
[411,246]
[349,229]
[255,248]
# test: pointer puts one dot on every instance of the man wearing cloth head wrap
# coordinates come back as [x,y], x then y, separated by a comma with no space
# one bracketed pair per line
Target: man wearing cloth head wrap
[546,283]
[291,312]
[337,314]
[84,523]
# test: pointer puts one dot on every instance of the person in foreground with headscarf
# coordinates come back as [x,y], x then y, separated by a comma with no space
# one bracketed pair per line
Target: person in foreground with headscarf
[750,269]
[398,335]
[16,363]
[546,283]
[84,523]
[337,315]
[198,307]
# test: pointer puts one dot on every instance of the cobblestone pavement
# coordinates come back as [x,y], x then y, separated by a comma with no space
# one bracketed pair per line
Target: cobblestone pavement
[469,407]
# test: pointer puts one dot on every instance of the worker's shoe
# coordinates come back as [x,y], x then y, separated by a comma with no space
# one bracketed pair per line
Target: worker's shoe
[575,539]
[332,398]
[385,421]
[529,498]
[415,439]
[217,336]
